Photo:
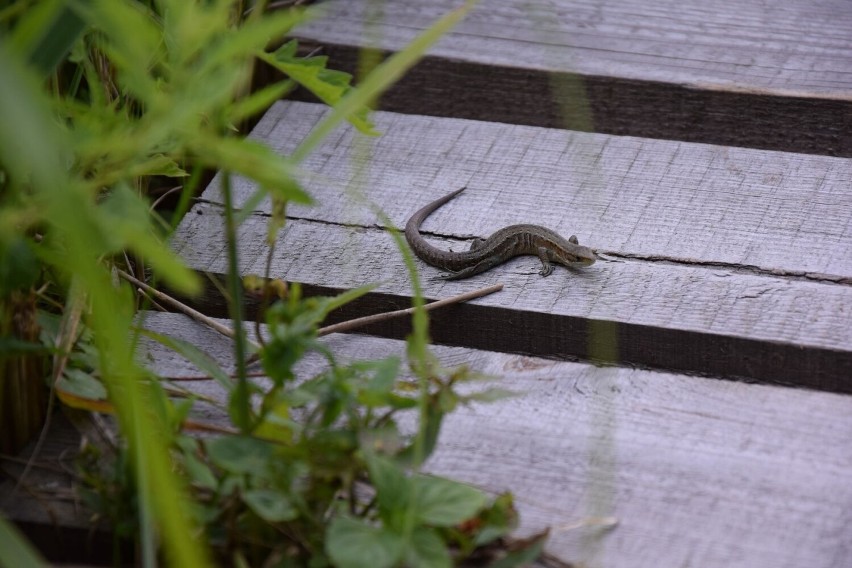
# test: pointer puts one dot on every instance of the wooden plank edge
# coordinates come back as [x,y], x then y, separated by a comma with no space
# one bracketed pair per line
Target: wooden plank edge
[709,114]
[603,342]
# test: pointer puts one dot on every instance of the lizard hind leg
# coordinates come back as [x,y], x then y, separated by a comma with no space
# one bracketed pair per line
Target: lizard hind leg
[481,266]
[477,243]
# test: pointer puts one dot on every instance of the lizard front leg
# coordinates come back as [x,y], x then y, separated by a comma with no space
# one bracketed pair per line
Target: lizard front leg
[544,256]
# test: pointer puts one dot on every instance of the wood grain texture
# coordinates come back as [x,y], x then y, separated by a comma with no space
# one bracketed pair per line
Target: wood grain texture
[656,200]
[735,73]
[695,319]
[698,472]
[718,260]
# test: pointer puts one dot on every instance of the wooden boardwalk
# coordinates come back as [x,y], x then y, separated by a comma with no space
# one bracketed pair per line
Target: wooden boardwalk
[694,383]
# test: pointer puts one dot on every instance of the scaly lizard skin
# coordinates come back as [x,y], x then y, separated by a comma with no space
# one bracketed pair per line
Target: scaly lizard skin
[506,243]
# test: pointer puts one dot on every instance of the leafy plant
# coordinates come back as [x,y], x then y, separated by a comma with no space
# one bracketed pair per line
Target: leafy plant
[326,475]
[317,472]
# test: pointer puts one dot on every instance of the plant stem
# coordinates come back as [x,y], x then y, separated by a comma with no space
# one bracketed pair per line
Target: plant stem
[240,401]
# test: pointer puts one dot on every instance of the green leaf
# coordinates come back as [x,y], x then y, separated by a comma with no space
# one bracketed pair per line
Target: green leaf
[160,165]
[394,490]
[427,549]
[378,390]
[524,556]
[15,550]
[82,384]
[385,438]
[327,84]
[270,505]
[199,472]
[46,32]
[259,101]
[443,503]
[431,426]
[194,355]
[253,35]
[240,454]
[355,544]
[124,215]
[254,160]
[498,520]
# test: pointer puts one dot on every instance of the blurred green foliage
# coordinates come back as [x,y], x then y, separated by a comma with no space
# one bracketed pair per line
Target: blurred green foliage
[100,99]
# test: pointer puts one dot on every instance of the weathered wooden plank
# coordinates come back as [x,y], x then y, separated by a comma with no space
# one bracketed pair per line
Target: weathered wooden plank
[697,472]
[722,261]
[725,72]
[690,318]
[656,200]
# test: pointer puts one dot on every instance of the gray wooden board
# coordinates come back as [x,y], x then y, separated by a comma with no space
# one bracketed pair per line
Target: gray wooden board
[716,241]
[731,72]
[698,472]
[747,44]
[659,200]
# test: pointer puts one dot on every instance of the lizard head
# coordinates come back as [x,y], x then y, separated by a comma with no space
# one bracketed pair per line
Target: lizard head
[584,256]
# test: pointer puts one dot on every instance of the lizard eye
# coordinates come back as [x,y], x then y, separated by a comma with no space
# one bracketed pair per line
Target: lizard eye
[573,239]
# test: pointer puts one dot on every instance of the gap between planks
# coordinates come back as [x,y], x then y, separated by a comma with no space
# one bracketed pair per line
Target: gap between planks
[771,79]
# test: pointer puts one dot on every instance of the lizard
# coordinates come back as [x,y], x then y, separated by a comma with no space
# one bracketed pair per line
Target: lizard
[506,243]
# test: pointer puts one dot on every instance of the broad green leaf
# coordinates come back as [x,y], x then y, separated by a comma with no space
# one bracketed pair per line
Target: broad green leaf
[240,454]
[194,355]
[45,33]
[15,549]
[378,389]
[160,165]
[82,384]
[394,490]
[427,549]
[355,544]
[328,85]
[430,427]
[199,472]
[441,502]
[31,145]
[270,505]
